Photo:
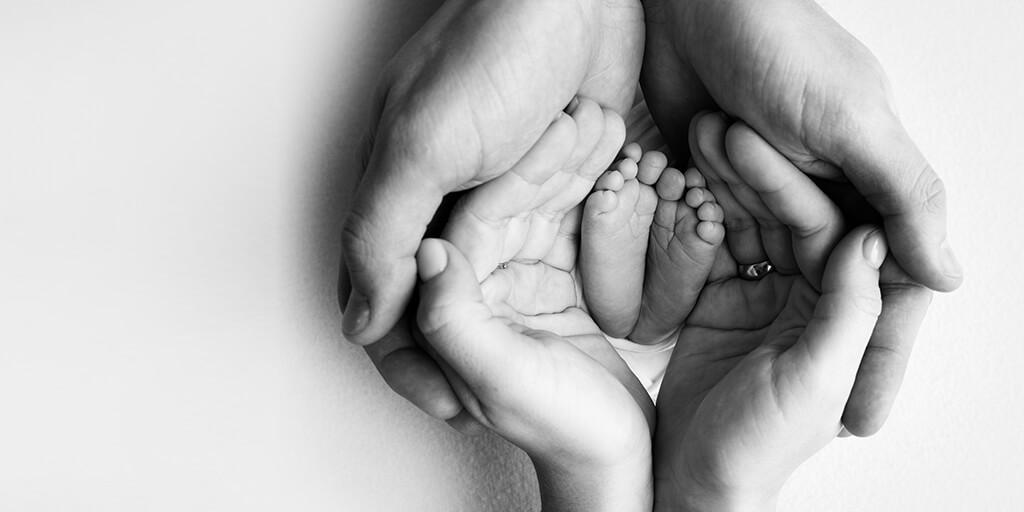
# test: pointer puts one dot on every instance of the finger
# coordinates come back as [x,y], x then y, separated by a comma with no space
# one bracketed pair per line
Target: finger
[829,351]
[570,187]
[567,242]
[413,374]
[482,349]
[590,126]
[483,224]
[379,242]
[774,235]
[886,166]
[465,424]
[881,372]
[707,141]
[814,221]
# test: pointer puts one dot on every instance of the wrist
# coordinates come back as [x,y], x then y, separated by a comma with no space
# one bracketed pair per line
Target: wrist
[690,496]
[716,503]
[623,486]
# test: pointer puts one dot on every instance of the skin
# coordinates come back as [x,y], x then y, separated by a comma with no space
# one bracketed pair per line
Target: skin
[820,98]
[528,362]
[463,101]
[756,385]
[459,73]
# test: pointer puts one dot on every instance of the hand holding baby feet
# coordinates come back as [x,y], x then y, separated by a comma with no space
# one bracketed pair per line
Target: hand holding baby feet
[516,216]
[763,368]
[732,430]
[541,375]
[458,106]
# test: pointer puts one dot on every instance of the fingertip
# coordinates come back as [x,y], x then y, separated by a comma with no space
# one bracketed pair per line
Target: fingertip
[875,248]
[416,377]
[465,424]
[356,317]
[863,426]
[933,264]
[951,266]
[855,262]
[431,259]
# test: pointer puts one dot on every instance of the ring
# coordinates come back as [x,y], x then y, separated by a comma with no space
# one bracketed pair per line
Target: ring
[756,271]
[503,265]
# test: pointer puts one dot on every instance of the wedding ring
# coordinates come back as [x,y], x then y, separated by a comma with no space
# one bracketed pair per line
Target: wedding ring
[503,265]
[756,271]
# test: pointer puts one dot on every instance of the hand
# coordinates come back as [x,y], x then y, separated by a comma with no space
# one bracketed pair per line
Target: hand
[762,370]
[528,362]
[821,99]
[459,105]
[751,395]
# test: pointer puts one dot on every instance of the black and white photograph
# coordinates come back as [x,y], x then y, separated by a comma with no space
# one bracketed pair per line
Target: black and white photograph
[511,255]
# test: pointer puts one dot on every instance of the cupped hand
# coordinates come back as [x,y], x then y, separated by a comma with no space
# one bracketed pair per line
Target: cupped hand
[821,99]
[526,361]
[815,93]
[459,105]
[763,369]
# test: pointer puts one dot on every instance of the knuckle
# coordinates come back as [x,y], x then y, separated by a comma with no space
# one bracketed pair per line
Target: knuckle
[357,240]
[930,190]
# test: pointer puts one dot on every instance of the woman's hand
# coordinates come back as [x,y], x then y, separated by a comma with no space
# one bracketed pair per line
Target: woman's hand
[763,369]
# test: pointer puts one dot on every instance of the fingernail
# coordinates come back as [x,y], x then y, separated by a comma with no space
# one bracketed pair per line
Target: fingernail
[431,260]
[572,106]
[875,248]
[357,314]
[950,265]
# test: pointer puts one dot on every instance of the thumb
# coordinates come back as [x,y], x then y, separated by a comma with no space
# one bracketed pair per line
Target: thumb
[483,349]
[835,338]
[889,170]
[391,209]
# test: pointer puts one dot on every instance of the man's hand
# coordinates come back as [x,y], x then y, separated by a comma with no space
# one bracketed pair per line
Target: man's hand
[804,84]
[458,106]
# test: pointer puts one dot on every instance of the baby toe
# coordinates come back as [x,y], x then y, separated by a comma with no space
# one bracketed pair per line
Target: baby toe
[711,232]
[628,168]
[671,185]
[633,151]
[710,212]
[651,166]
[611,180]
[694,178]
[695,197]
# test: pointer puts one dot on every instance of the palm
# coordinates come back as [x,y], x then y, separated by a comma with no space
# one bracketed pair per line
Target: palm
[720,390]
[559,374]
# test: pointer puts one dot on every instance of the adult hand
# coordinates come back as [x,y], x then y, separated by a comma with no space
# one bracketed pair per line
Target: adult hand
[459,105]
[527,361]
[762,370]
[804,84]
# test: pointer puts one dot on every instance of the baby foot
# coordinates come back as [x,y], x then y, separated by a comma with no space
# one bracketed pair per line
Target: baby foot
[646,251]
[617,221]
[685,237]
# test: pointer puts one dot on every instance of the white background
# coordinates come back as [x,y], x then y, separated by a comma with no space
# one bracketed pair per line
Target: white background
[172,180]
